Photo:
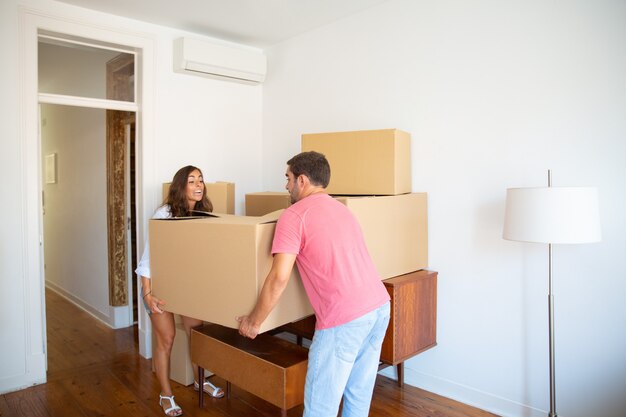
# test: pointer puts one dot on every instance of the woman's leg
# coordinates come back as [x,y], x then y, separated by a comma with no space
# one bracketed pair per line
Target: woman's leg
[164,331]
[189,323]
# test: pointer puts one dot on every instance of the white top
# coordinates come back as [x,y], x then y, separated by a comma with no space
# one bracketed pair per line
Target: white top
[143,269]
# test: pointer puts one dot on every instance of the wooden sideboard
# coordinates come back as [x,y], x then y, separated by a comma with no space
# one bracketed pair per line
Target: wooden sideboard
[413,323]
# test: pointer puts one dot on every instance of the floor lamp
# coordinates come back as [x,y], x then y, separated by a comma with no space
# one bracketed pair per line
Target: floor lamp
[552,215]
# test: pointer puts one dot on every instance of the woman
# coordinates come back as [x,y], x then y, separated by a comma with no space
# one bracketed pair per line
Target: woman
[186,197]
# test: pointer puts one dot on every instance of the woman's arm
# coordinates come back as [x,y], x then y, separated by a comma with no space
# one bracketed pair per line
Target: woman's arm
[155,305]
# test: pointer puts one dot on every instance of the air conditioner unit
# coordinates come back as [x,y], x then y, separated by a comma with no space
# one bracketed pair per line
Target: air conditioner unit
[193,56]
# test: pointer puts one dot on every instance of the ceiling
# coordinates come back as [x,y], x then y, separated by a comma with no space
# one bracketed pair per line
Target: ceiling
[259,23]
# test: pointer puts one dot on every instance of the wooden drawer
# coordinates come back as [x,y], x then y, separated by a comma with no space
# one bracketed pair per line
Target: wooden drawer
[268,367]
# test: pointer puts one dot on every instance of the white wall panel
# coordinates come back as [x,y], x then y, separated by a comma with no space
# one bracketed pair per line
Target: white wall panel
[494,94]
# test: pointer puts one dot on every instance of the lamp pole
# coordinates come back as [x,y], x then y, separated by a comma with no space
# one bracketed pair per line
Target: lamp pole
[551,322]
[537,215]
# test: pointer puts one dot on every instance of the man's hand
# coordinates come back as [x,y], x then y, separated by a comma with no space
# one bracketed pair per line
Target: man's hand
[273,287]
[246,328]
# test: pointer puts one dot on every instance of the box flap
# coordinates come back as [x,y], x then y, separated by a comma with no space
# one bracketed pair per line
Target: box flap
[230,218]
[204,215]
[270,217]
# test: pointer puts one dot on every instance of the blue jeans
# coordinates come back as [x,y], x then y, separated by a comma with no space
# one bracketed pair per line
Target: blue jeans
[343,361]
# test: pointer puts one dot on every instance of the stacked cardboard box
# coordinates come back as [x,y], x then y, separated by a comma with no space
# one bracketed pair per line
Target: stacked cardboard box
[372,171]
[262,203]
[395,227]
[375,165]
[371,174]
[231,254]
[368,162]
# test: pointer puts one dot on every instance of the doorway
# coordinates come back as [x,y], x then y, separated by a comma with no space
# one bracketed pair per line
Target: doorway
[34,24]
[89,211]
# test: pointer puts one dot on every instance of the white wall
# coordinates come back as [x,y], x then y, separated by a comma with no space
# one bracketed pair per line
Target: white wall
[75,207]
[14,365]
[213,124]
[73,70]
[493,94]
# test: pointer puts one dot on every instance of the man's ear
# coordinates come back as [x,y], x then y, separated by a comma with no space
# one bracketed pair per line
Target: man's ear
[303,180]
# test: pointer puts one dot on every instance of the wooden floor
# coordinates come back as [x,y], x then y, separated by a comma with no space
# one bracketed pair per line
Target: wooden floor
[96,371]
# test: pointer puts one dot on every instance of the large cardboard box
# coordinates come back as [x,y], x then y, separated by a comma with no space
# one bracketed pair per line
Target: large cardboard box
[395,230]
[368,162]
[262,203]
[213,269]
[221,194]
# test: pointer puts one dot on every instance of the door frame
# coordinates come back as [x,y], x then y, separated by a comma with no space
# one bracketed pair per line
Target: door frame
[119,71]
[32,23]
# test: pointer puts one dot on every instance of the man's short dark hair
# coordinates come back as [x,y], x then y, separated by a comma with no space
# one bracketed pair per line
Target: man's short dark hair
[312,164]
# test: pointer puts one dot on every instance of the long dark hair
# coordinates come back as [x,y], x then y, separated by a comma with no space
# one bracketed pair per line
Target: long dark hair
[177,195]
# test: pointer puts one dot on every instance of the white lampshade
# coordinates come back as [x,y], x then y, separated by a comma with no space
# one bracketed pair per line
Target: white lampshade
[552,215]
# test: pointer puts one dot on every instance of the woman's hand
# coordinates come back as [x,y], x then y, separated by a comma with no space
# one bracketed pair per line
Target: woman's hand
[155,304]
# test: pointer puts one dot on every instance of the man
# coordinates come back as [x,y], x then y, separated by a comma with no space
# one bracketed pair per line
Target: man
[350,302]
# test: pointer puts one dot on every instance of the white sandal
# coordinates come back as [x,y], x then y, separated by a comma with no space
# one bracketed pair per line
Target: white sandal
[212,390]
[174,407]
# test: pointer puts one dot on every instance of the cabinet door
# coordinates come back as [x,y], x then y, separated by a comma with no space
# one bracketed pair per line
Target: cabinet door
[413,325]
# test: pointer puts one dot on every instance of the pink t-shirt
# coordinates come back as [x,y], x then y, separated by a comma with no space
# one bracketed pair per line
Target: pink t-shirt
[337,272]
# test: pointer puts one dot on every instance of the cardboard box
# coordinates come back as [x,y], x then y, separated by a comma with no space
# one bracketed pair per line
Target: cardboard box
[369,162]
[262,203]
[268,367]
[395,230]
[213,269]
[221,194]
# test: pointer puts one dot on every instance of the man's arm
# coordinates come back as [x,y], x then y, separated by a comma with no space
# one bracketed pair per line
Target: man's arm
[274,285]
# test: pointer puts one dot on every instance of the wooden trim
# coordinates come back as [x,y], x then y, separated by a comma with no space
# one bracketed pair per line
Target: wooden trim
[96,103]
[120,71]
